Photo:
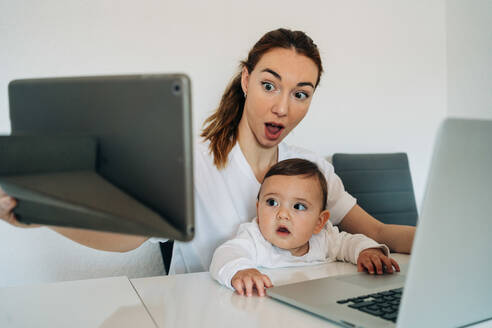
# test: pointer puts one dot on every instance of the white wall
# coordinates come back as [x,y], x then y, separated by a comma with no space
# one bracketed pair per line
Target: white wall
[469,64]
[384,89]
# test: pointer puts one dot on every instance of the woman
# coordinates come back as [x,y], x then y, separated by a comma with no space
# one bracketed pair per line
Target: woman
[241,141]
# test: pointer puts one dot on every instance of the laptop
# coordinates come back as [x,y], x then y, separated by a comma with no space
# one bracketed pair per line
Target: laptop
[447,282]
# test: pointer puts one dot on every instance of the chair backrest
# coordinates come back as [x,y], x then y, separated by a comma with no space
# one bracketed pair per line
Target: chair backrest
[381,183]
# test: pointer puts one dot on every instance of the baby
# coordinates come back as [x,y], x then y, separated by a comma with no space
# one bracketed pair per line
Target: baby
[290,231]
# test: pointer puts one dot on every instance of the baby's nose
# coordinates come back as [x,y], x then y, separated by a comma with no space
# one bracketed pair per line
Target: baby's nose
[283,213]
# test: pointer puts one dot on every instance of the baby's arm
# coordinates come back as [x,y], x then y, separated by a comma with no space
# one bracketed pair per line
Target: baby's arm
[233,265]
[360,250]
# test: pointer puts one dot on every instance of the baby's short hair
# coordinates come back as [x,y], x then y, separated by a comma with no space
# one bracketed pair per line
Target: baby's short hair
[299,166]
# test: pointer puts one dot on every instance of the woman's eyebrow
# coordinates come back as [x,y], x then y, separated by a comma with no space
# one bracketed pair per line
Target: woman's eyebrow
[300,84]
[273,73]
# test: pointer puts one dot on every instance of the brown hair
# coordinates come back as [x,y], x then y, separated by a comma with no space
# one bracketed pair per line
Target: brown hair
[221,127]
[299,166]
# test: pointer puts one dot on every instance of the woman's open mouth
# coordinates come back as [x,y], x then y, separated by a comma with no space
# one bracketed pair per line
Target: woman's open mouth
[273,130]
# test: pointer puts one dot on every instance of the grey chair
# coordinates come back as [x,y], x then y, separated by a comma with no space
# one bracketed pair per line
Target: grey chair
[381,183]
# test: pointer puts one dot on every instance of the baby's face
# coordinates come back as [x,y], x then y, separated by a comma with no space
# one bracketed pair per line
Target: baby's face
[289,211]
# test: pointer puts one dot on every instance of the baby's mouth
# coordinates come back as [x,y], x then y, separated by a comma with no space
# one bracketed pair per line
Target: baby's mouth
[283,231]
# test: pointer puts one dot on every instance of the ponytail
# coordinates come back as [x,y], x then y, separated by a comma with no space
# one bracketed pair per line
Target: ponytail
[221,126]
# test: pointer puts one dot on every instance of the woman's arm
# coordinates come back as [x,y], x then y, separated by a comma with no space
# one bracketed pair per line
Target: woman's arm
[105,241]
[398,238]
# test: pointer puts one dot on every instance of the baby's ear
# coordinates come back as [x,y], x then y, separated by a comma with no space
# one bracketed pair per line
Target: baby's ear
[323,218]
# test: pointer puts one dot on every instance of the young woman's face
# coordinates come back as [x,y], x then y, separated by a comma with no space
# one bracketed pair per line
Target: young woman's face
[279,91]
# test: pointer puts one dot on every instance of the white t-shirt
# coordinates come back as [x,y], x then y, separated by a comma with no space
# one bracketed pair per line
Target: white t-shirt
[249,249]
[226,198]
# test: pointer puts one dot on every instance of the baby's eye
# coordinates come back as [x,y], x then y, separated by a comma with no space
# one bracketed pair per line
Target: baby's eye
[301,95]
[272,202]
[268,86]
[300,207]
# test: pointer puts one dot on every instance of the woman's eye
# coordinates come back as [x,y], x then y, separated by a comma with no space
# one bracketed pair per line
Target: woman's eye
[301,95]
[300,207]
[268,86]
[272,202]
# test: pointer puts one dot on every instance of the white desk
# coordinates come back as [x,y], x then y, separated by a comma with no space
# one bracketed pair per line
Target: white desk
[104,303]
[195,300]
[188,300]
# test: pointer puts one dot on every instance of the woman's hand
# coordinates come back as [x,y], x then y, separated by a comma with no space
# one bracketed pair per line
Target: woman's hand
[373,261]
[7,204]
[245,281]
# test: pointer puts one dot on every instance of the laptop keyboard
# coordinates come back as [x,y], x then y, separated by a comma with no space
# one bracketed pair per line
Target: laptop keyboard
[384,304]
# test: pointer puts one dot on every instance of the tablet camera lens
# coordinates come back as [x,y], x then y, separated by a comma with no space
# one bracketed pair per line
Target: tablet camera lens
[176,88]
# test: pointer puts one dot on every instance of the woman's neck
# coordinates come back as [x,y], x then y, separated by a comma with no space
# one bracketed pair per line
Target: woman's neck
[259,158]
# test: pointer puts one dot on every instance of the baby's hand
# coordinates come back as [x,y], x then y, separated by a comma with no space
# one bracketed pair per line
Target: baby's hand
[374,261]
[245,281]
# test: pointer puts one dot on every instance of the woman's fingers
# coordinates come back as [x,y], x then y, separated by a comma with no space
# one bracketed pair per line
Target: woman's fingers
[7,204]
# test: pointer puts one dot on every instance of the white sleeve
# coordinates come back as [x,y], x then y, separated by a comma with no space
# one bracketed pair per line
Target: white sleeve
[344,246]
[234,255]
